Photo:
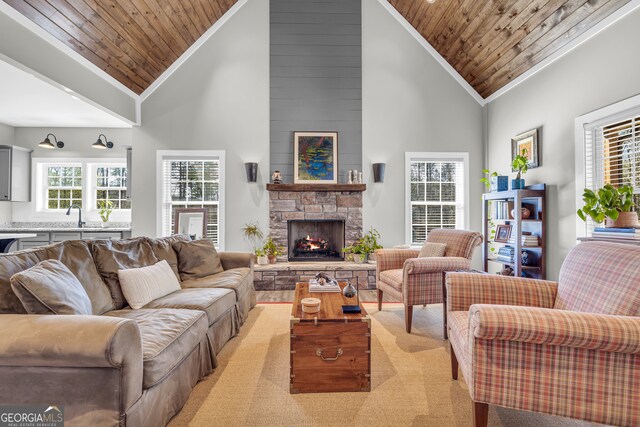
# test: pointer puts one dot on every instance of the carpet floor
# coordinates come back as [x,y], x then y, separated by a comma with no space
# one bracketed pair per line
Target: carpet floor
[410,380]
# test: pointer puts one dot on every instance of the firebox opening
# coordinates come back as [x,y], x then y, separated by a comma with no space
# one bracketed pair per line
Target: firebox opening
[315,240]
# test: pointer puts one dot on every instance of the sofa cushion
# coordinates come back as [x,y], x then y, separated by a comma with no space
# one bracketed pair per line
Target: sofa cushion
[113,255]
[392,278]
[214,302]
[11,264]
[50,288]
[142,285]
[76,255]
[197,259]
[238,279]
[430,249]
[168,337]
[163,250]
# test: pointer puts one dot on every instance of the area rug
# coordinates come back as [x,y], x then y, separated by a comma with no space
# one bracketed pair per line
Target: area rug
[410,380]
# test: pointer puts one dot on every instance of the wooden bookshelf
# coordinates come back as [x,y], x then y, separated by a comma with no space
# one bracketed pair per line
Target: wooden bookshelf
[496,209]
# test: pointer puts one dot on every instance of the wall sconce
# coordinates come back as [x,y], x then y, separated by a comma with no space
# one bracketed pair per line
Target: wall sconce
[102,145]
[46,143]
[252,171]
[378,172]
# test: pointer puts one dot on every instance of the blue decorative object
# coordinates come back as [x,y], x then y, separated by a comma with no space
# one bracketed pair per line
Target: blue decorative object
[499,183]
[517,184]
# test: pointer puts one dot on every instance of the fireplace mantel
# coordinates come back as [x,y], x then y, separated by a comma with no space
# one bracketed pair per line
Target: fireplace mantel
[317,187]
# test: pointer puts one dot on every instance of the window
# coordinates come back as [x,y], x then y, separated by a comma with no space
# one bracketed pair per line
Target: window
[60,183]
[435,193]
[111,185]
[63,186]
[611,155]
[193,181]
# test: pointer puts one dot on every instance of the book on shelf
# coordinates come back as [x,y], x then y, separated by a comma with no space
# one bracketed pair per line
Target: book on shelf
[527,240]
[506,259]
[617,230]
[627,236]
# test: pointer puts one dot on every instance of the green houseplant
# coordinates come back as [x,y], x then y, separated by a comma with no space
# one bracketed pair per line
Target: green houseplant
[366,245]
[371,241]
[105,208]
[610,205]
[520,163]
[261,256]
[272,249]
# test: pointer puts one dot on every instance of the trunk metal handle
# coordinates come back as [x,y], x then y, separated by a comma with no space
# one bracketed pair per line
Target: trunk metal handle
[329,359]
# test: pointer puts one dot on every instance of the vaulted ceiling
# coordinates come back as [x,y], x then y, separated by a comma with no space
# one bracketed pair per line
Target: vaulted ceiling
[488,42]
[134,41]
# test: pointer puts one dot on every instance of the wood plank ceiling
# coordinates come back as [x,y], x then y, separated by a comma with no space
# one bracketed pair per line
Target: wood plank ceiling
[490,43]
[134,41]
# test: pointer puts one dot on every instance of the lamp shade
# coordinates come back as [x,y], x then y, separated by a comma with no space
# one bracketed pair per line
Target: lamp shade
[46,143]
[251,169]
[102,145]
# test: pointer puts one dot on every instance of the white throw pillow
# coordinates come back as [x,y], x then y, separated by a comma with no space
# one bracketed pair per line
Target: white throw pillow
[142,285]
[432,250]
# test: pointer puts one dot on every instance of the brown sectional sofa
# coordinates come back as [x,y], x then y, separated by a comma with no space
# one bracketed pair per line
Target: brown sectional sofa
[118,367]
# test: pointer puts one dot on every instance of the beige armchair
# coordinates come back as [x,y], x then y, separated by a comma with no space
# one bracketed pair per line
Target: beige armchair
[569,348]
[418,281]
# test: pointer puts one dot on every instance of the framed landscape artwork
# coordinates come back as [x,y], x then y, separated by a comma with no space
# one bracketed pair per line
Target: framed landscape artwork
[526,141]
[315,157]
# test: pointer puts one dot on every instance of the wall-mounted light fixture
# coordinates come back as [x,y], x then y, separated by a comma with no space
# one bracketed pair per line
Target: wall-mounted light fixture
[252,171]
[46,143]
[378,172]
[102,145]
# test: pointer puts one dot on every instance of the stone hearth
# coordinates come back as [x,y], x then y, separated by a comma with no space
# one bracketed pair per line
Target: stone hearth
[285,275]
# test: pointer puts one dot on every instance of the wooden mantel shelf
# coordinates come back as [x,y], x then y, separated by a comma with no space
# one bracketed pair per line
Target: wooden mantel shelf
[317,187]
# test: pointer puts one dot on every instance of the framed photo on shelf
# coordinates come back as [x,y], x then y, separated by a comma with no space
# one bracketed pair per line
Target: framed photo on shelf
[503,232]
[315,157]
[526,144]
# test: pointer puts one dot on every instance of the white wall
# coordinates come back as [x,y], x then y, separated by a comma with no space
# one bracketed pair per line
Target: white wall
[409,103]
[600,72]
[217,100]
[34,53]
[7,137]
[77,144]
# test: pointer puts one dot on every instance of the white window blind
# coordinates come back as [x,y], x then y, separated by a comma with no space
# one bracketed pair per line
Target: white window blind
[192,183]
[612,153]
[436,195]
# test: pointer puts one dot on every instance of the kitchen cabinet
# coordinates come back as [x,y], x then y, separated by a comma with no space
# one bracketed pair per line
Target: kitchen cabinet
[44,238]
[15,174]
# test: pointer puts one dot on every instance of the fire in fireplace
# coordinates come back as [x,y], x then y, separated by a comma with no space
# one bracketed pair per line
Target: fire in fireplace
[315,240]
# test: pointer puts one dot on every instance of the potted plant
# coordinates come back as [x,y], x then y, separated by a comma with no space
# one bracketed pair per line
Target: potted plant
[105,208]
[371,240]
[253,234]
[610,205]
[261,256]
[358,251]
[272,249]
[494,182]
[520,163]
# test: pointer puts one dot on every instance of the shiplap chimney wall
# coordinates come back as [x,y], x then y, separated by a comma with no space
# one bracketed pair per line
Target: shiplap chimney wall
[316,78]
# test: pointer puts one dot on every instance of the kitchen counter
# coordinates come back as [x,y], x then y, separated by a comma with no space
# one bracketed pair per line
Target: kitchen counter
[37,234]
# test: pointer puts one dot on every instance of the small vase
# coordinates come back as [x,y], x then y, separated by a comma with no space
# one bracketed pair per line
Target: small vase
[272,259]
[104,224]
[349,291]
[524,212]
[263,260]
[517,184]
[359,258]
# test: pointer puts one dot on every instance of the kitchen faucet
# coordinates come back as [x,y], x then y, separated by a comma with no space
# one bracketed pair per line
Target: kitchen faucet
[80,222]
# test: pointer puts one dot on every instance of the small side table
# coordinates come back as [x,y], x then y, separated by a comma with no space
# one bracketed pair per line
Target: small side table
[444,296]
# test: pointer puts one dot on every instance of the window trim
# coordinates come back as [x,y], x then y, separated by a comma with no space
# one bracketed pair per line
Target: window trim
[621,108]
[162,155]
[39,212]
[432,156]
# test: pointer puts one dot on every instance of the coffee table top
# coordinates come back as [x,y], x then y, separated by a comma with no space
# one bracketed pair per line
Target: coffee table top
[330,305]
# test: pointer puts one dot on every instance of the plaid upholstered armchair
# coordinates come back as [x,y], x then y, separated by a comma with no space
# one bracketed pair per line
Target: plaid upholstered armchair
[570,348]
[418,281]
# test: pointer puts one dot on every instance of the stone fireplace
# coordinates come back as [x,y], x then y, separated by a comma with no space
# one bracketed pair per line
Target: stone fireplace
[318,203]
[315,240]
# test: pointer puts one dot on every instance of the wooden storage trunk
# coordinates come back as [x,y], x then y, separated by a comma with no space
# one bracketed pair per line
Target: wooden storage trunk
[330,351]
